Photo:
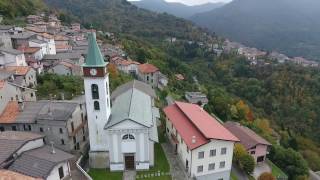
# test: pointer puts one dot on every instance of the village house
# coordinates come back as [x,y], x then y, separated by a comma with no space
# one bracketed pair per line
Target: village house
[11,57]
[125,139]
[62,122]
[128,66]
[24,155]
[149,74]
[66,68]
[5,39]
[22,39]
[202,144]
[163,81]
[256,146]
[196,98]
[51,45]
[76,27]
[31,19]
[62,43]
[179,77]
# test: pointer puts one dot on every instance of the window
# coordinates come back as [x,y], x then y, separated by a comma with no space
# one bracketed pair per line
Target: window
[213,152]
[81,106]
[253,152]
[95,91]
[74,140]
[200,169]
[128,136]
[222,164]
[84,138]
[211,166]
[14,128]
[41,129]
[61,131]
[72,126]
[223,151]
[1,128]
[147,78]
[31,94]
[29,127]
[200,155]
[96,106]
[62,141]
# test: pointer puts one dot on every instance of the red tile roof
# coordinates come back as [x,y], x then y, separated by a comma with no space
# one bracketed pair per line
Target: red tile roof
[247,137]
[2,84]
[11,175]
[18,70]
[10,113]
[179,77]
[29,50]
[147,68]
[191,120]
[128,62]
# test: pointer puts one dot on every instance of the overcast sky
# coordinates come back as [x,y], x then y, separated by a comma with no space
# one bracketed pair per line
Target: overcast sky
[193,2]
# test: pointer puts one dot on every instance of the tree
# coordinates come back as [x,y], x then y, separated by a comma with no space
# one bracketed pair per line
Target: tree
[243,159]
[289,161]
[266,176]
[247,163]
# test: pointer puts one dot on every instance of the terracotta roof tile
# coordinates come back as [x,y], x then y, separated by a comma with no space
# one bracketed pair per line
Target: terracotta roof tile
[11,175]
[147,68]
[29,49]
[128,62]
[18,70]
[179,77]
[2,84]
[191,120]
[10,113]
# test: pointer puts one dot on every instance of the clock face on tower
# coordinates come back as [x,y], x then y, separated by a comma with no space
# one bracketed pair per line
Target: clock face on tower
[93,72]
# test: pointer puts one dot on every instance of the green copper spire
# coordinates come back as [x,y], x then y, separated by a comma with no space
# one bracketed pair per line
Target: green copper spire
[94,57]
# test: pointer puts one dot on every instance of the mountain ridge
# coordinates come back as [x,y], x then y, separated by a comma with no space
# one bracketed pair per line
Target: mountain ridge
[175,8]
[290,27]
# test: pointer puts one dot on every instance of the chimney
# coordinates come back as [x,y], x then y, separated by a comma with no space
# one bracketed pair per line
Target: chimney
[21,105]
[194,140]
[52,148]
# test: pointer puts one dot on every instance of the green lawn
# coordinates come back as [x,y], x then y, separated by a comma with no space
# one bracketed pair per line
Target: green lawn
[102,174]
[233,176]
[161,164]
[276,172]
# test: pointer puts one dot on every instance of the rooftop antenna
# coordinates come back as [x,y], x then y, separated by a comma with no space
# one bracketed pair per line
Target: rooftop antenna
[52,147]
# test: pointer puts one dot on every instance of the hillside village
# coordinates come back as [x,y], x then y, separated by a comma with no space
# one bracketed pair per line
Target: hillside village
[130,132]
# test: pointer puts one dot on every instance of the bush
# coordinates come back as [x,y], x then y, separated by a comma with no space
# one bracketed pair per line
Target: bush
[266,176]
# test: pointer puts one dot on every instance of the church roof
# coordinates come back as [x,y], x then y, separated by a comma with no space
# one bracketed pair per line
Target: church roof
[139,85]
[94,57]
[136,106]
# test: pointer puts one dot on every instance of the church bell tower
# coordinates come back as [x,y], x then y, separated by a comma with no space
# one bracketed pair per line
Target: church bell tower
[96,84]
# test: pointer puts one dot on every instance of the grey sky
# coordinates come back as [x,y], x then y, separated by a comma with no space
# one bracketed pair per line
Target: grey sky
[195,2]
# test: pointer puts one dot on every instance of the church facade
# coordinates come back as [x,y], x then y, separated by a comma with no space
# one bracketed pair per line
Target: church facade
[122,136]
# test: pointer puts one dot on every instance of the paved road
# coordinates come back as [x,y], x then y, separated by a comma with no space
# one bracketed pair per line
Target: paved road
[176,168]
[313,176]
[261,168]
[240,174]
[129,175]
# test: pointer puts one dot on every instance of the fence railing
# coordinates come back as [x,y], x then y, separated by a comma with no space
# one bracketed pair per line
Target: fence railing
[80,168]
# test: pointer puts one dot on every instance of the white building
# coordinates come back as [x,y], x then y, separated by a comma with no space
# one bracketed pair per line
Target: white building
[202,144]
[11,57]
[124,140]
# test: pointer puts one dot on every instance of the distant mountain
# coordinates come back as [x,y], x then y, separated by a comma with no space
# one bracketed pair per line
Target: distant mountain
[289,26]
[15,8]
[121,17]
[177,9]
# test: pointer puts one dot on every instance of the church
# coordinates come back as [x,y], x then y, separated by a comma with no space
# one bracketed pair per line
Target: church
[122,126]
